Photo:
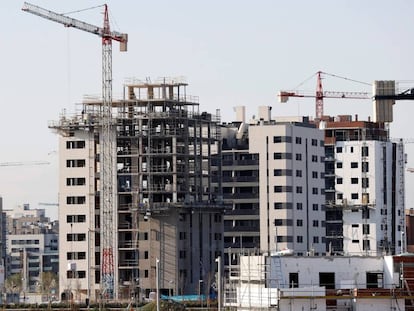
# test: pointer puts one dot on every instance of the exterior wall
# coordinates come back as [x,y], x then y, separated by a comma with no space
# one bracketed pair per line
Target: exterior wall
[76,215]
[351,287]
[350,271]
[291,202]
[373,232]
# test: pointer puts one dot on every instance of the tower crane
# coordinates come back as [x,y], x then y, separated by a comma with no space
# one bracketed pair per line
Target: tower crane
[321,94]
[107,138]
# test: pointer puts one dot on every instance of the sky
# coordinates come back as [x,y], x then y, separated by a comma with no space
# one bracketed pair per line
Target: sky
[231,53]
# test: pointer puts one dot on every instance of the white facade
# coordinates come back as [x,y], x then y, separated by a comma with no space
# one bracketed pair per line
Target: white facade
[370,187]
[291,177]
[77,187]
[348,281]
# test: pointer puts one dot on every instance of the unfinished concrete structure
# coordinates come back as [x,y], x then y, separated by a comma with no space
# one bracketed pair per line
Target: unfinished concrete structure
[164,207]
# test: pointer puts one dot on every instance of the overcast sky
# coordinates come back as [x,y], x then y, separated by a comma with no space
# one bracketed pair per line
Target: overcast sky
[231,53]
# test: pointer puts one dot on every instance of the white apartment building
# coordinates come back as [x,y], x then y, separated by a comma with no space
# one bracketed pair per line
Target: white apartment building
[291,177]
[365,188]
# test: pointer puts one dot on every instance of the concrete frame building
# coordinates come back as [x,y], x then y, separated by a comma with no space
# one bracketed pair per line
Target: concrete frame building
[291,183]
[165,209]
[364,188]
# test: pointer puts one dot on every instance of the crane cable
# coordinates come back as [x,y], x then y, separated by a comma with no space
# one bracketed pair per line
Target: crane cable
[82,10]
[332,75]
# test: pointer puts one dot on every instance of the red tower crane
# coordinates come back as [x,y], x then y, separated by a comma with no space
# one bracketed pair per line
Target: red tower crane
[320,94]
[107,137]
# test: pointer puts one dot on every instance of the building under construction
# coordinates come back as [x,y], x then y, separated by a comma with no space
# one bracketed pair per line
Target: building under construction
[166,217]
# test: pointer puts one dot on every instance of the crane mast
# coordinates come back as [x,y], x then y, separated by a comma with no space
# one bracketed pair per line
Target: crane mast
[108,206]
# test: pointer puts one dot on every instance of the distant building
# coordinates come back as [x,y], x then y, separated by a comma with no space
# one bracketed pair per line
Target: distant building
[32,245]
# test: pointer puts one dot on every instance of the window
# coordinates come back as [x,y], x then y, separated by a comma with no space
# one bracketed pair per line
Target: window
[75,237]
[75,144]
[299,239]
[282,139]
[76,255]
[146,273]
[315,239]
[338,149]
[366,245]
[354,180]
[75,218]
[339,181]
[298,140]
[354,196]
[277,139]
[79,181]
[339,196]
[314,174]
[294,279]
[282,205]
[315,223]
[183,254]
[279,189]
[365,213]
[75,163]
[365,167]
[299,222]
[314,190]
[298,173]
[75,200]
[355,241]
[352,149]
[314,158]
[365,182]
[314,142]
[146,255]
[364,151]
[182,235]
[365,229]
[283,222]
[315,207]
[354,164]
[355,225]
[321,143]
[280,172]
[339,164]
[282,155]
[298,189]
[298,157]
[299,206]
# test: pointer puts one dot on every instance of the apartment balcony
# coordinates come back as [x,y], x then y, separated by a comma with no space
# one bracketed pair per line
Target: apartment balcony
[334,234]
[233,196]
[128,263]
[127,245]
[240,229]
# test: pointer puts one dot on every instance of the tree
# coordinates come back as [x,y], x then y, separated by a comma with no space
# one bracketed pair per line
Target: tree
[14,285]
[49,282]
